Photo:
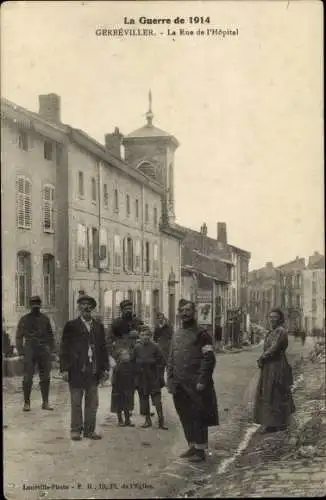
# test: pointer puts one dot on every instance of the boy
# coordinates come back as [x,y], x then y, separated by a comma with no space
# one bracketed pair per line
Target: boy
[149,365]
[122,395]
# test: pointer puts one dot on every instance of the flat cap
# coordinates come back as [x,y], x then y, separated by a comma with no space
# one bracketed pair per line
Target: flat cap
[87,298]
[125,303]
[35,299]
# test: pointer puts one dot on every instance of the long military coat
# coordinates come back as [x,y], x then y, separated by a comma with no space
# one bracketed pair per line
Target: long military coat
[192,361]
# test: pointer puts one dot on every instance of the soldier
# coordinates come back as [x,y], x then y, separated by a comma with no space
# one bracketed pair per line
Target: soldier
[189,378]
[84,362]
[35,342]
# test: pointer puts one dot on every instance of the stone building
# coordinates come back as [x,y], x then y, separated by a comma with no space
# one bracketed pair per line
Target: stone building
[280,286]
[314,294]
[215,272]
[78,218]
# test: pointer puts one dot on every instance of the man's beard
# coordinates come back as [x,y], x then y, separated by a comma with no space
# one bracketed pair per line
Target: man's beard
[128,314]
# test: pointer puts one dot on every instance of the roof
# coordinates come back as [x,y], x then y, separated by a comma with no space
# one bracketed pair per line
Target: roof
[195,262]
[58,132]
[297,264]
[149,131]
[206,245]
[317,263]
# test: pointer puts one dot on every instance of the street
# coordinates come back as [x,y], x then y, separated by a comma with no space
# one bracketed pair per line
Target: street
[41,460]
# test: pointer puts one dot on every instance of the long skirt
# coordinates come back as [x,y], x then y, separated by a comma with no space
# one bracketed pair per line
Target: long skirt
[273,401]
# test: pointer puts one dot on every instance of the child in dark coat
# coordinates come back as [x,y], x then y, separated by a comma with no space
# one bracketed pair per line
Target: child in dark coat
[123,388]
[149,376]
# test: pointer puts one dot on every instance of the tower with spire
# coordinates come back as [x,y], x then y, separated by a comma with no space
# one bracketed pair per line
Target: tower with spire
[151,151]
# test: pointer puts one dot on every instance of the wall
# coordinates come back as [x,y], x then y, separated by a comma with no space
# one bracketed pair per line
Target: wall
[31,164]
[171,259]
[314,318]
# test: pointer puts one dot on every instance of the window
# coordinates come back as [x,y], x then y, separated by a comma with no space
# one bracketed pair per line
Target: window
[104,249]
[23,279]
[146,213]
[108,303]
[58,154]
[81,191]
[48,150]
[23,140]
[155,217]
[105,195]
[298,281]
[48,212]
[137,209]
[314,275]
[314,287]
[314,305]
[128,205]
[128,252]
[93,185]
[147,258]
[117,251]
[138,305]
[93,247]
[298,301]
[137,255]
[82,245]
[48,280]
[147,304]
[118,299]
[116,200]
[23,203]
[155,258]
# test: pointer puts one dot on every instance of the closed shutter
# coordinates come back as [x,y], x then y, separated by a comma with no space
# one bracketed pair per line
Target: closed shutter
[103,248]
[23,203]
[90,247]
[125,254]
[48,199]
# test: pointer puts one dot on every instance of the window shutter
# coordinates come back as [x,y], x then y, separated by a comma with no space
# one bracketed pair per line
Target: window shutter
[108,250]
[90,247]
[125,254]
[103,249]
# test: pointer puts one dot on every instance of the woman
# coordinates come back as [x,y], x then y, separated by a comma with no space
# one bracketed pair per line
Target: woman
[163,334]
[274,403]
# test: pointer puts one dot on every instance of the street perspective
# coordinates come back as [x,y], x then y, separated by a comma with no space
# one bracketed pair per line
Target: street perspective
[163,261]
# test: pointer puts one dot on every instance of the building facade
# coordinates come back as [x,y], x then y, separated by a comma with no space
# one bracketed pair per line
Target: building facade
[314,294]
[215,272]
[280,286]
[84,220]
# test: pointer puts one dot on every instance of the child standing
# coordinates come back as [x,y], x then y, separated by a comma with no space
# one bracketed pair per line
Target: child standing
[149,376]
[122,395]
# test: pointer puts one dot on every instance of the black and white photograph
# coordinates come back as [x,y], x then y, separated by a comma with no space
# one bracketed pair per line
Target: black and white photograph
[162,243]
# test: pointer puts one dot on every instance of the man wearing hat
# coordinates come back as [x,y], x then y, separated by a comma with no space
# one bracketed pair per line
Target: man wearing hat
[35,342]
[125,329]
[84,362]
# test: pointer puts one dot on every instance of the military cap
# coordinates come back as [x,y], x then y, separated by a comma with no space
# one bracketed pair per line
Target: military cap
[87,298]
[35,299]
[125,303]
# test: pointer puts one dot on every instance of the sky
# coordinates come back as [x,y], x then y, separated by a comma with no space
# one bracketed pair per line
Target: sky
[247,110]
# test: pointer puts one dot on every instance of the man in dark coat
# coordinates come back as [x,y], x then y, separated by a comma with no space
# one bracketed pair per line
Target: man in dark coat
[162,334]
[35,342]
[124,330]
[189,378]
[84,362]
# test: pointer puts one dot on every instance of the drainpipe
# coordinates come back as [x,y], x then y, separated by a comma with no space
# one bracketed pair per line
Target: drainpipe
[99,189]
[142,250]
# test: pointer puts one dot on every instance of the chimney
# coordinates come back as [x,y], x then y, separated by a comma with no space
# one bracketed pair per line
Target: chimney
[269,265]
[113,143]
[49,107]
[221,233]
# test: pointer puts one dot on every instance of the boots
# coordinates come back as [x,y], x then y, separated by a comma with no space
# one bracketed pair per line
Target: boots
[127,419]
[45,388]
[120,419]
[159,410]
[27,389]
[197,456]
[148,422]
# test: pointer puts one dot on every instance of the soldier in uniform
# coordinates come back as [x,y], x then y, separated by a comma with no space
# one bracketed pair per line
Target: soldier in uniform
[35,342]
[189,378]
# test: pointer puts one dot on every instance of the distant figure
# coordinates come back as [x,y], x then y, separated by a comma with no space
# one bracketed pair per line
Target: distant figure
[218,331]
[123,388]
[273,402]
[163,334]
[35,342]
[303,337]
[7,347]
[190,381]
